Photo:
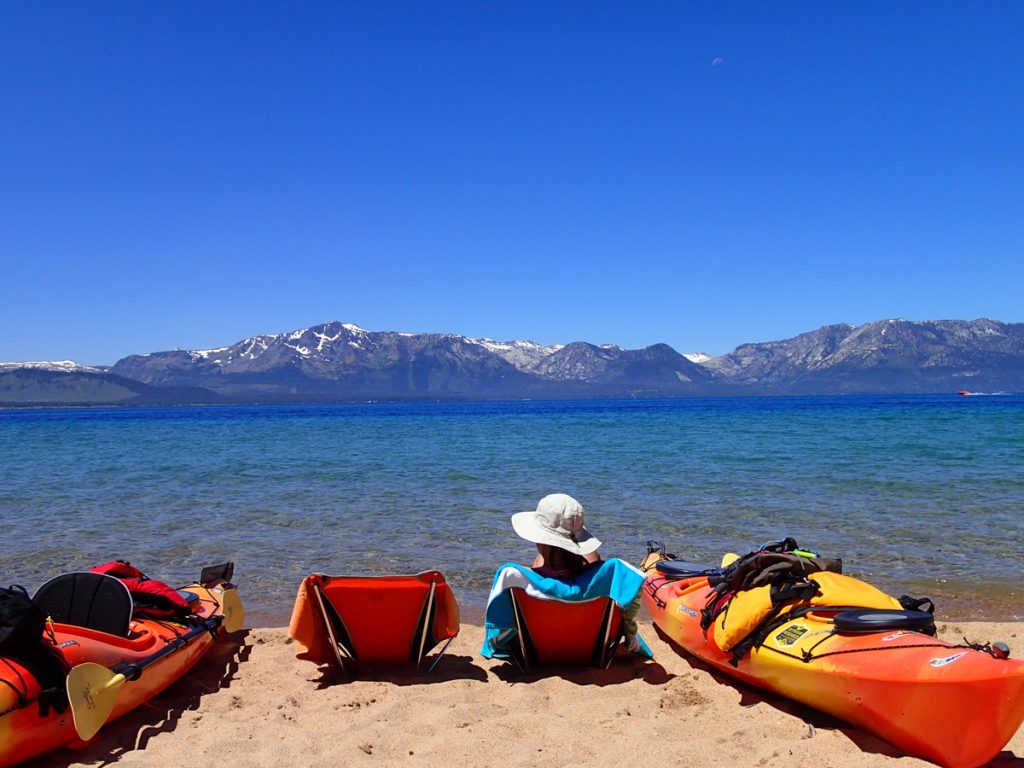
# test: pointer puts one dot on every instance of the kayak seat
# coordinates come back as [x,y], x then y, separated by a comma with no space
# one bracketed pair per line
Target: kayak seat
[563,633]
[382,619]
[863,620]
[85,599]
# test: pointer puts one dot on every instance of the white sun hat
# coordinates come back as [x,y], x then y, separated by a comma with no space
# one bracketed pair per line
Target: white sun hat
[557,521]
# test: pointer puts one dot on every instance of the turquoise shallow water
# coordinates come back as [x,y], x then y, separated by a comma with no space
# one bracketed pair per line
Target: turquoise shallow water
[922,495]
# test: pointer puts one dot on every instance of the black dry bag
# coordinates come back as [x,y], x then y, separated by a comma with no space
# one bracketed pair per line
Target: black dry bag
[21,621]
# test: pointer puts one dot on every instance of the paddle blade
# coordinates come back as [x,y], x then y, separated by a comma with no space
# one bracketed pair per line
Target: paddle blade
[233,610]
[729,558]
[92,692]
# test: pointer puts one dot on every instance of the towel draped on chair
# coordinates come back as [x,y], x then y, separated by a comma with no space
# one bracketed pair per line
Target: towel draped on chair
[613,578]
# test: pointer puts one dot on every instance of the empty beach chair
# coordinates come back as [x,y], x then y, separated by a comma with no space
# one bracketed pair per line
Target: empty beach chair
[554,632]
[355,620]
[85,599]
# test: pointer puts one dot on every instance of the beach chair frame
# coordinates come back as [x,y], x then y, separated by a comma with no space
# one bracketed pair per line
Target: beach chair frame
[340,637]
[606,639]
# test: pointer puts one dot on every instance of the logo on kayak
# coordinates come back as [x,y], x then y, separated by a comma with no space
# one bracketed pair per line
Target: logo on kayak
[893,636]
[947,660]
[67,643]
[87,697]
[688,611]
[790,635]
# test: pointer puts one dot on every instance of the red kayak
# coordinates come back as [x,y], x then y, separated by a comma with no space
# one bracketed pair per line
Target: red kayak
[126,660]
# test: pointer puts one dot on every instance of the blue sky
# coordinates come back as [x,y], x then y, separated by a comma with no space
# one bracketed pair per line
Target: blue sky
[700,174]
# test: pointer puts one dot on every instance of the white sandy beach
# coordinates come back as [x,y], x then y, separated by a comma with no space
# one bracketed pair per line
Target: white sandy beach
[251,703]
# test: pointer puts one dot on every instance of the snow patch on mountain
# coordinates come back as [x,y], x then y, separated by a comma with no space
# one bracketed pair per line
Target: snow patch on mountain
[257,345]
[524,355]
[204,354]
[61,366]
[325,339]
[698,357]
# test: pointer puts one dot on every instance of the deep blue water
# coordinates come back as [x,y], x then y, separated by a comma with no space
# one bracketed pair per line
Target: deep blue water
[918,494]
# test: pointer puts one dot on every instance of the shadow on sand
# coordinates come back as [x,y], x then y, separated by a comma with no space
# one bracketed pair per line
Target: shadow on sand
[624,668]
[450,667]
[161,714]
[816,720]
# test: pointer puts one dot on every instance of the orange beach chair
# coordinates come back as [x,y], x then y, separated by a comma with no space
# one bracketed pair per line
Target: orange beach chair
[562,633]
[354,620]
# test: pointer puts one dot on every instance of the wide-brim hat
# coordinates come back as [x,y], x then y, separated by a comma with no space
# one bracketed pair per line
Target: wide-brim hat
[558,522]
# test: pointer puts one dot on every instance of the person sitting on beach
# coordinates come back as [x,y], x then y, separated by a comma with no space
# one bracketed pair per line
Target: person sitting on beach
[566,567]
[565,548]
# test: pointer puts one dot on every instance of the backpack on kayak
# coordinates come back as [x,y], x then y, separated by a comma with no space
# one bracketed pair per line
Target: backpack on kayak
[21,621]
[764,579]
[22,624]
[748,609]
[152,598]
[766,588]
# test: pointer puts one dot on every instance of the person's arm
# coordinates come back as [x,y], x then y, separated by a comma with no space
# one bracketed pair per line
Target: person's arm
[593,557]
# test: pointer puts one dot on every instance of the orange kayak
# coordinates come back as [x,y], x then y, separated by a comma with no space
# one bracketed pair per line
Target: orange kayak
[955,705]
[163,650]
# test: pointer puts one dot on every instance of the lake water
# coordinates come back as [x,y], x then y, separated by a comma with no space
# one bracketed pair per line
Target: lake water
[919,495]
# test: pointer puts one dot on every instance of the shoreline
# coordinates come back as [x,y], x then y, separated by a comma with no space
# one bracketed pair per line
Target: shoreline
[250,701]
[986,609]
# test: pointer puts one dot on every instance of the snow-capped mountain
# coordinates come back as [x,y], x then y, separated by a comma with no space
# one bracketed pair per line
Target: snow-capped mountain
[61,366]
[523,355]
[342,361]
[884,356]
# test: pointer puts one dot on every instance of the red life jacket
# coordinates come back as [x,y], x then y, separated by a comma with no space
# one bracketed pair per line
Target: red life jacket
[152,598]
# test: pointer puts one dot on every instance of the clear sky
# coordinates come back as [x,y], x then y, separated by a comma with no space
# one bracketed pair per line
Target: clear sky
[702,174]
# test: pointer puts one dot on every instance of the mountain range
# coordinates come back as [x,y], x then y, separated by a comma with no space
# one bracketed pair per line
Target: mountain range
[343,362]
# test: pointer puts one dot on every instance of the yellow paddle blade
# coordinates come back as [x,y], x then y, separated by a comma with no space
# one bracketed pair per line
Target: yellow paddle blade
[233,610]
[92,692]
[729,558]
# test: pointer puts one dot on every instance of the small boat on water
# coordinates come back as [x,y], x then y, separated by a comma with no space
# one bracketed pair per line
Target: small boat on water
[882,669]
[97,660]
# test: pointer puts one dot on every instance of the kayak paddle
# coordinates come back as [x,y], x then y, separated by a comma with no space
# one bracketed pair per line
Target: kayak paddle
[93,688]
[232,610]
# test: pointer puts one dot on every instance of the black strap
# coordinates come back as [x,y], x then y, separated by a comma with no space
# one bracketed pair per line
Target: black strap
[19,692]
[653,587]
[46,664]
[756,637]
[755,569]
[718,601]
[797,590]
[782,591]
